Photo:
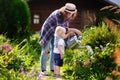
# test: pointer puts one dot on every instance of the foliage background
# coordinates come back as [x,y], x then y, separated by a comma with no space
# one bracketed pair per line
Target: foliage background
[14,18]
[22,63]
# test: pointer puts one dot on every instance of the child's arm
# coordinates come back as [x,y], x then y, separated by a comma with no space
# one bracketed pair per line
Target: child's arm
[60,50]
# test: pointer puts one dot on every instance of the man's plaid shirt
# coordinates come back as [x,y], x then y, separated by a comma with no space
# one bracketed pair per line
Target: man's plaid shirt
[47,32]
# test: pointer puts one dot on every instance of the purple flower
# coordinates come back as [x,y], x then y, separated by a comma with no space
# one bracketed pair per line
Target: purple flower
[22,68]
[7,47]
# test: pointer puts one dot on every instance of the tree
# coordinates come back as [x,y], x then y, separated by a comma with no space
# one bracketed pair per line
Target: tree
[14,18]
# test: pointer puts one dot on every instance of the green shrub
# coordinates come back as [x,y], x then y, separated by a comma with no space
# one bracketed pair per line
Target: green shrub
[79,65]
[97,36]
[75,67]
[14,18]
[23,57]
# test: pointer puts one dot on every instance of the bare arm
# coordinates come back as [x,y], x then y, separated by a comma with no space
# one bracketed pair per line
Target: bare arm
[75,31]
[60,50]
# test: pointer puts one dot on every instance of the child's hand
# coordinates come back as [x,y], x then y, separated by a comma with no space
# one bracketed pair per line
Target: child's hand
[62,56]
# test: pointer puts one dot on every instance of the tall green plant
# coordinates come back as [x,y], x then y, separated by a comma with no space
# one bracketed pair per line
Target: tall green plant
[14,18]
[97,36]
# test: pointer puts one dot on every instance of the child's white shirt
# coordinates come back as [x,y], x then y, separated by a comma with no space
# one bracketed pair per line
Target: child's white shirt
[62,43]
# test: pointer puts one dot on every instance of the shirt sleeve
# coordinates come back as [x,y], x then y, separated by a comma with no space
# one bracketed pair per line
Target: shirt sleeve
[48,28]
[61,42]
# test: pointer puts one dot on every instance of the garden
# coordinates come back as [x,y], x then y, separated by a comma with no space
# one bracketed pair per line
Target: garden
[20,50]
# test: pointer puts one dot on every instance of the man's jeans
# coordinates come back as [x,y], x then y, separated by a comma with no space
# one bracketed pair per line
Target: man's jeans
[43,57]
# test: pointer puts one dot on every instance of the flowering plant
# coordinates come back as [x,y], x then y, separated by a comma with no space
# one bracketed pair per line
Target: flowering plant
[7,47]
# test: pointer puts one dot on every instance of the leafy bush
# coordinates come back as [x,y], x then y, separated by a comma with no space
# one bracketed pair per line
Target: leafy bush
[79,65]
[14,18]
[97,36]
[18,63]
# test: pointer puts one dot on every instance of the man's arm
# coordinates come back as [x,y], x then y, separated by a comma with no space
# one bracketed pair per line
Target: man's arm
[75,31]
